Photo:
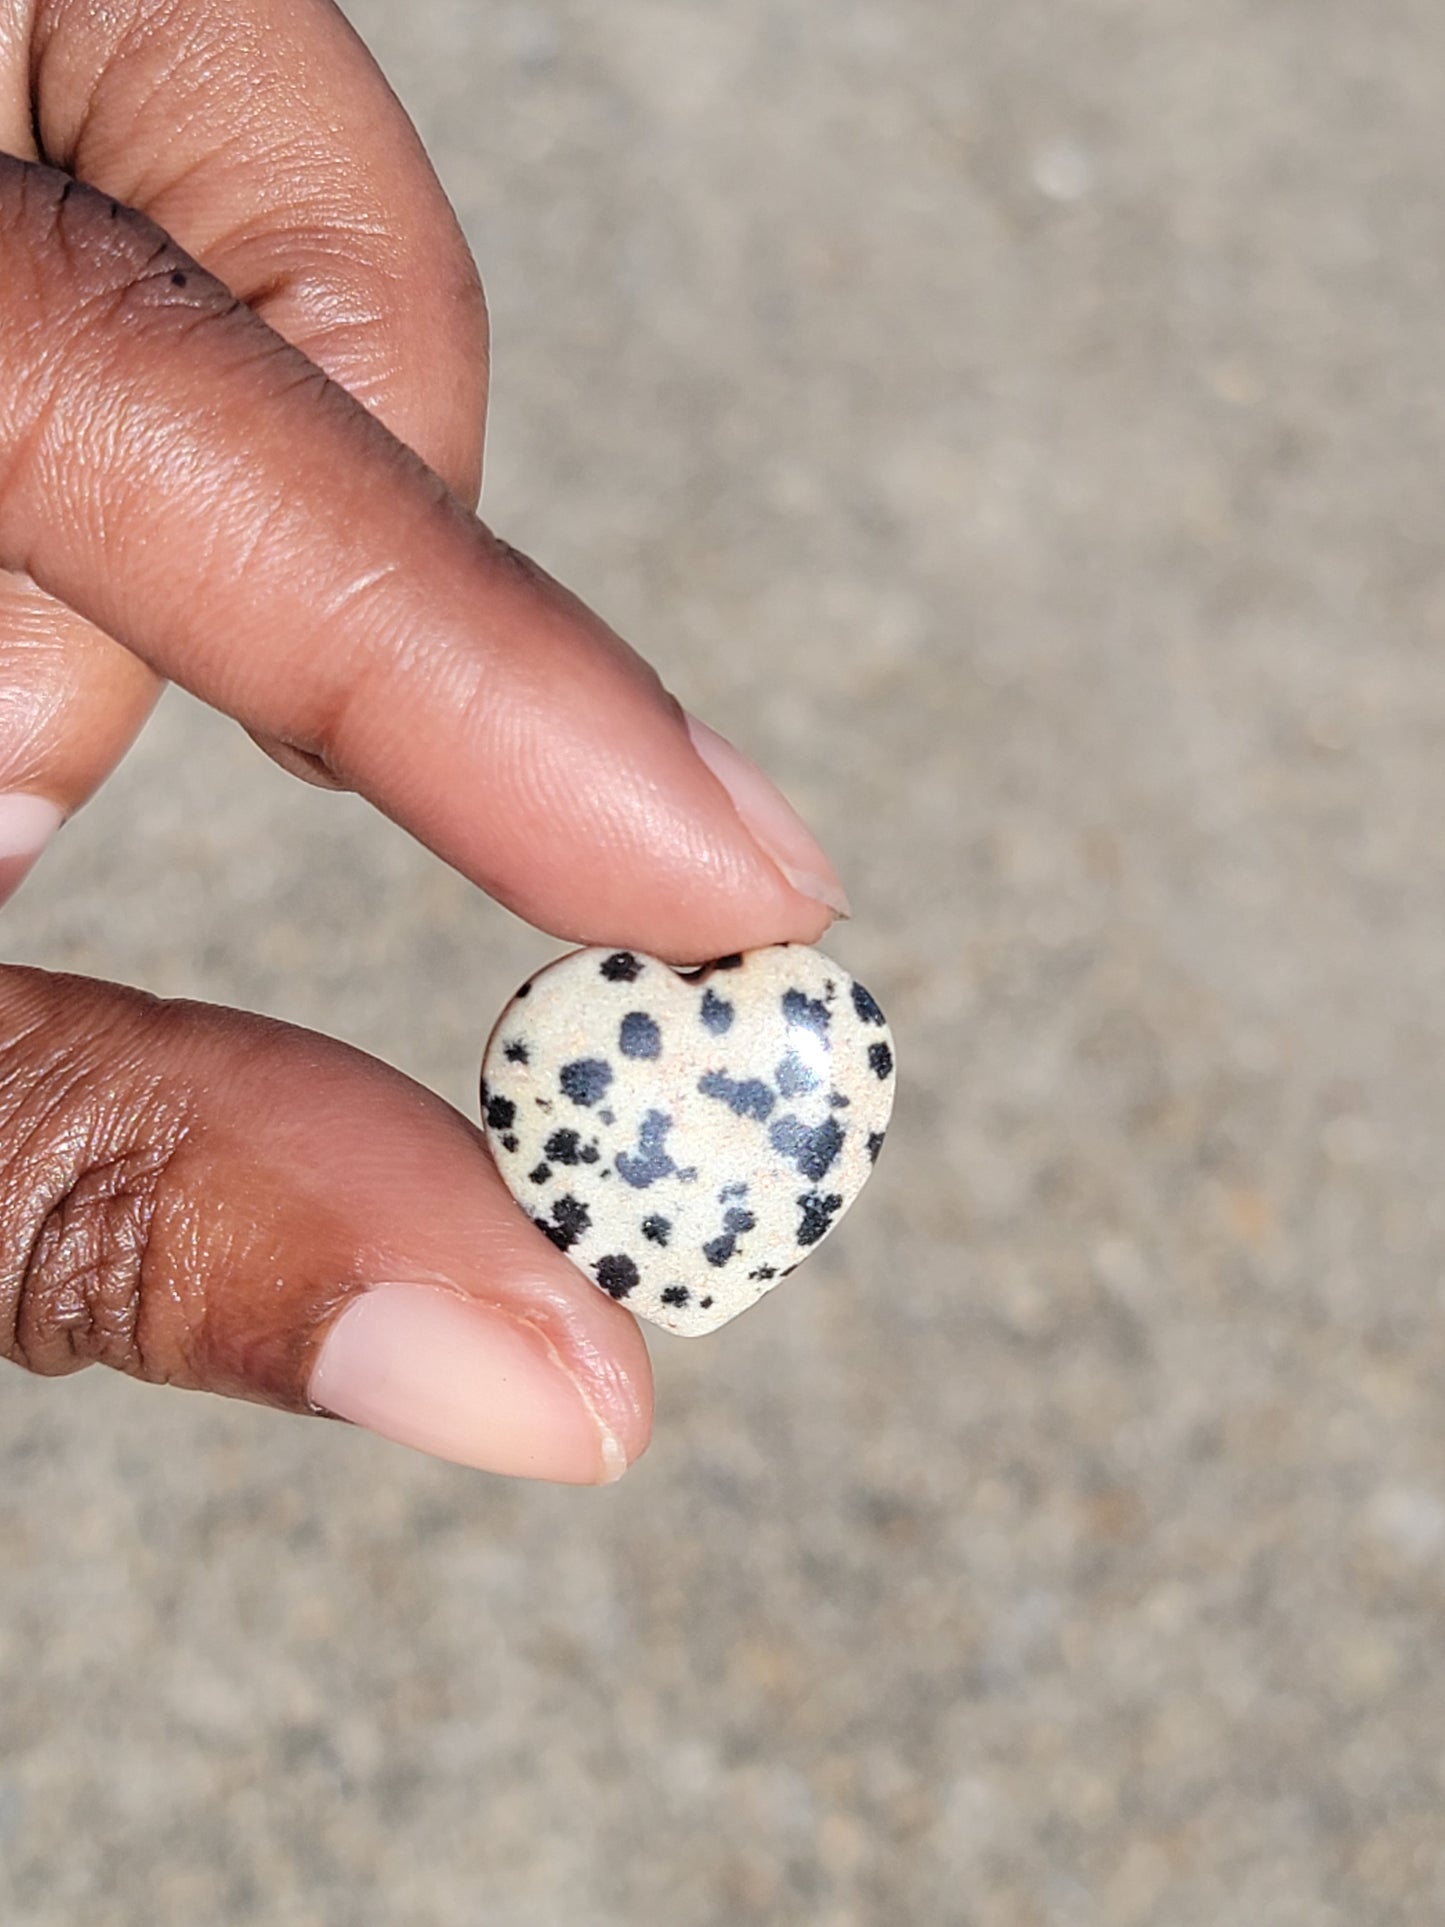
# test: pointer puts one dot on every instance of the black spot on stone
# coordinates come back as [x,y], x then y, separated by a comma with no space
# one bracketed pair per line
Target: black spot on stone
[794,1077]
[732,1191]
[616,1274]
[649,1161]
[716,1013]
[585,1080]
[812,1148]
[676,1295]
[509,1143]
[719,1250]
[607,1117]
[562,1147]
[543,1103]
[818,1214]
[540,1173]
[517,1052]
[763,1274]
[875,1145]
[838,1101]
[706,1303]
[866,1006]
[880,1060]
[806,1013]
[570,1218]
[639,1035]
[621,967]
[750,1098]
[566,1147]
[501,1112]
[657,1229]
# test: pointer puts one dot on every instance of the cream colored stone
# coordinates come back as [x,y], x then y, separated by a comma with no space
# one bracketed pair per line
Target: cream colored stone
[688,1137]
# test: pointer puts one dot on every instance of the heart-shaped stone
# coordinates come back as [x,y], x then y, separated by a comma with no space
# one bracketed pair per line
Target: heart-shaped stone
[688,1137]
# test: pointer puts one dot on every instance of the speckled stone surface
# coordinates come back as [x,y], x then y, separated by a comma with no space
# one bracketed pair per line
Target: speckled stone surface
[688,1137]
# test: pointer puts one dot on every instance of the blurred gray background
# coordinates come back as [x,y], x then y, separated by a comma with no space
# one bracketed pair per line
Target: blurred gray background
[1021,425]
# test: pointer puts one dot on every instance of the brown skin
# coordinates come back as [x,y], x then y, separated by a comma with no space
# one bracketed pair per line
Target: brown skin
[244,360]
[191,1194]
[169,469]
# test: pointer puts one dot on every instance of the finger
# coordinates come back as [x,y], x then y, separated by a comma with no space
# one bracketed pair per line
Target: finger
[175,472]
[263,137]
[219,1202]
[71,702]
[266,139]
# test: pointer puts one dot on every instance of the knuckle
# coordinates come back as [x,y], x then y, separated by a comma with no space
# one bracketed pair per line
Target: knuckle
[82,1177]
[78,1289]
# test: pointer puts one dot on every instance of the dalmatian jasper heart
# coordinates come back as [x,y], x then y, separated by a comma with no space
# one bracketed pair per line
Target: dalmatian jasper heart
[688,1137]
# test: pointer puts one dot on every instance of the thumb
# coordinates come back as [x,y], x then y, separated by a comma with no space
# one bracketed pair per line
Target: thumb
[212,1200]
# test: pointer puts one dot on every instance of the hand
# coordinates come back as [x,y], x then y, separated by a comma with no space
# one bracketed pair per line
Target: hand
[244,359]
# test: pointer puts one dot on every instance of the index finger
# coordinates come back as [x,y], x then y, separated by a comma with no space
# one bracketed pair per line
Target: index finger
[181,476]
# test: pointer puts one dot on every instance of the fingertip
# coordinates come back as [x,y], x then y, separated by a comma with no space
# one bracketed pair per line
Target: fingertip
[27,823]
[446,1374]
[770,819]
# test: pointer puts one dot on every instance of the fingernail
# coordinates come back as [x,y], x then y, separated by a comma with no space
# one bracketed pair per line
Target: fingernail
[771,819]
[27,824]
[454,1377]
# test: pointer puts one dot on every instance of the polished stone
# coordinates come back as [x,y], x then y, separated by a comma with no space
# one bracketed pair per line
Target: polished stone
[688,1137]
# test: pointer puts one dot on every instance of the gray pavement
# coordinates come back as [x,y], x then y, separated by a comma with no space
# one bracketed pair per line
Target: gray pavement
[1022,426]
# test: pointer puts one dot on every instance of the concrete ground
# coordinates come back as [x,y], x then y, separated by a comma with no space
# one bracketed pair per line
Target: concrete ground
[1022,426]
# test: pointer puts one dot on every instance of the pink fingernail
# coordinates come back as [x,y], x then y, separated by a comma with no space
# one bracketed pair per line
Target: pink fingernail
[451,1376]
[27,824]
[771,819]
